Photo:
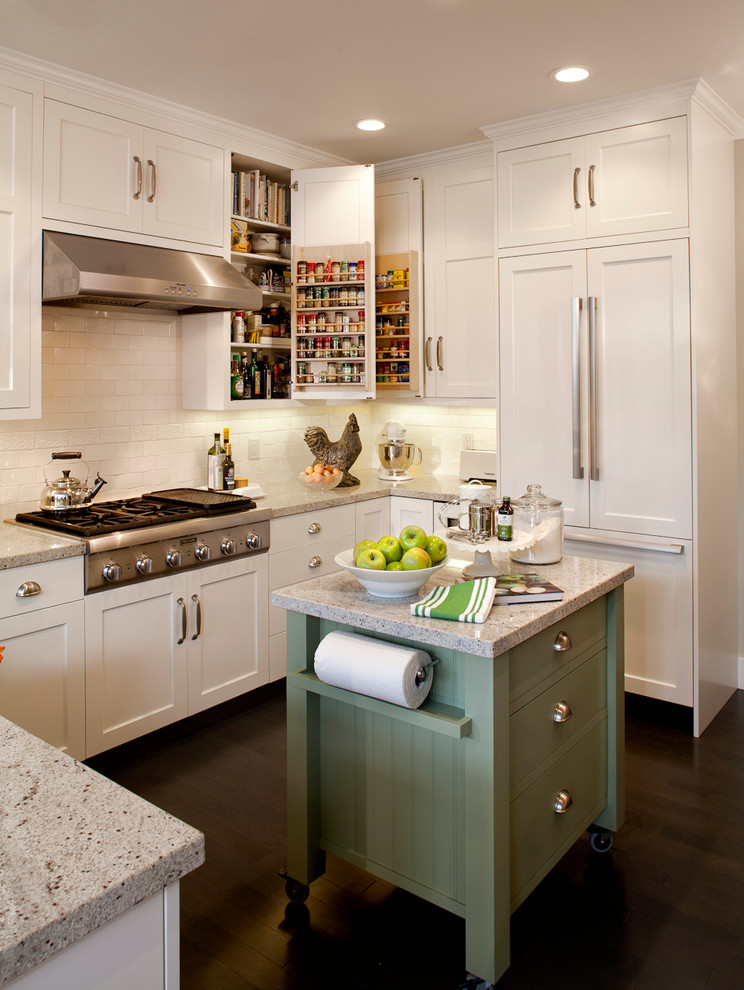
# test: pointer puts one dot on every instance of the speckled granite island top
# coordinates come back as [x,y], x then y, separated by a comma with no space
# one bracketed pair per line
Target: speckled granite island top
[21,545]
[340,598]
[76,850]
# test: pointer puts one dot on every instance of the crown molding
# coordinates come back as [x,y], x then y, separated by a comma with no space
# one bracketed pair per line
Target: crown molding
[227,132]
[473,155]
[726,116]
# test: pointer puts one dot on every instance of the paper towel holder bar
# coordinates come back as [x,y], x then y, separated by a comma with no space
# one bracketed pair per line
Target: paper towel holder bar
[422,672]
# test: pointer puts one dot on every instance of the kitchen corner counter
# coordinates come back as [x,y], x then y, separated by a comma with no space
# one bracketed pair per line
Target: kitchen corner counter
[340,598]
[21,545]
[76,851]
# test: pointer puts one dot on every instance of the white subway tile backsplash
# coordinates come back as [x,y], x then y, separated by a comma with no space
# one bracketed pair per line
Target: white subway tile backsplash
[116,434]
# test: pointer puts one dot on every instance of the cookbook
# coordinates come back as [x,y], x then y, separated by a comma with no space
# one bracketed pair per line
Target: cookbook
[526,588]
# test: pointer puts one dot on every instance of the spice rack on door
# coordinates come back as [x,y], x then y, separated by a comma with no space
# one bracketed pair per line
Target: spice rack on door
[397,342]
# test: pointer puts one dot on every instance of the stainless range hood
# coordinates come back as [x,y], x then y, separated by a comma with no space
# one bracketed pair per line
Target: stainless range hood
[96,271]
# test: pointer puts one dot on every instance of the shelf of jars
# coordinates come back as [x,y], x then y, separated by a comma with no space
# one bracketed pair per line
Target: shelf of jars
[331,333]
[396,324]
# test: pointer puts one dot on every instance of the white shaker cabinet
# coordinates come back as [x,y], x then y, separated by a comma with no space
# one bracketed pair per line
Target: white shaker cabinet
[103,171]
[42,668]
[20,248]
[460,339]
[625,180]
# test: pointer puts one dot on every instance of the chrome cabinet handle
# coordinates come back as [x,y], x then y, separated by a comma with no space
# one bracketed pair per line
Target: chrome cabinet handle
[439,353]
[576,302]
[562,712]
[314,528]
[427,354]
[184,620]
[139,178]
[195,599]
[593,459]
[314,561]
[153,180]
[562,642]
[591,185]
[562,803]
[28,589]
[577,204]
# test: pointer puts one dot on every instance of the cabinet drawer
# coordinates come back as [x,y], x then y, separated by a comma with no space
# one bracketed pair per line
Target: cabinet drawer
[534,733]
[309,528]
[59,581]
[540,835]
[533,661]
[293,566]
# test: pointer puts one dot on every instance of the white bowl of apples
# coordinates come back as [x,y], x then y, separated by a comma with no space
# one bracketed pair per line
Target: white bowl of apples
[395,567]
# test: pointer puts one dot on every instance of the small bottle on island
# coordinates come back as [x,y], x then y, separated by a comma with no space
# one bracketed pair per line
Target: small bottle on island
[505,520]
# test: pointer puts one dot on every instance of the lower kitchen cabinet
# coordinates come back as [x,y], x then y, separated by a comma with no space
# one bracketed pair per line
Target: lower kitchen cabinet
[372,519]
[163,650]
[42,667]
[411,512]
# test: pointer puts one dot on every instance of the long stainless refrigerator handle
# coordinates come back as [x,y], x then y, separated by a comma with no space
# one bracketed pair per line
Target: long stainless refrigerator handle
[578,469]
[184,620]
[593,458]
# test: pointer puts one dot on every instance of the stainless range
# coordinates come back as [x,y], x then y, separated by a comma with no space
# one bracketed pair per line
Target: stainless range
[152,535]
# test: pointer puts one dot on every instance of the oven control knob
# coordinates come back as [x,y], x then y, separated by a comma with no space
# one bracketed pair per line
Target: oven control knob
[228,546]
[203,551]
[144,564]
[253,541]
[111,572]
[174,558]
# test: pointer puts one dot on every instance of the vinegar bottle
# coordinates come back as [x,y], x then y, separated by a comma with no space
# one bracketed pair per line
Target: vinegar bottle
[505,520]
[215,458]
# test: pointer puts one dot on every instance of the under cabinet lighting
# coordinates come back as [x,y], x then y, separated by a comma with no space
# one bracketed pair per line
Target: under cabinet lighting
[571,73]
[370,124]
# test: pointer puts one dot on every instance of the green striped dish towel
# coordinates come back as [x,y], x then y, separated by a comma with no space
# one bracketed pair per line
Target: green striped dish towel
[469,601]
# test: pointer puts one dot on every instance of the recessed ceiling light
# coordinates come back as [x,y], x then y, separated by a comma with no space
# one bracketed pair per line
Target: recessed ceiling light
[369,124]
[571,73]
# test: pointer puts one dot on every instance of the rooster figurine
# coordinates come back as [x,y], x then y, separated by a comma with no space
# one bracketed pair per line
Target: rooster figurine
[339,453]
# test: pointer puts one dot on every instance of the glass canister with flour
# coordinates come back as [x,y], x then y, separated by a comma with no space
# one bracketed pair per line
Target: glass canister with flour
[539,517]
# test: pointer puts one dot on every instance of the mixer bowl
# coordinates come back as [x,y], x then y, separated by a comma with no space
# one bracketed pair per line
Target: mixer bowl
[396,458]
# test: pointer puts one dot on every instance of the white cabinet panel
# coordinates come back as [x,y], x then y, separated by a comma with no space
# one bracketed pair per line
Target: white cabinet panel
[372,519]
[411,512]
[333,205]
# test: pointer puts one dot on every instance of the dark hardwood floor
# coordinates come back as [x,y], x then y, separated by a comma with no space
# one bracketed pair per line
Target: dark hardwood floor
[664,909]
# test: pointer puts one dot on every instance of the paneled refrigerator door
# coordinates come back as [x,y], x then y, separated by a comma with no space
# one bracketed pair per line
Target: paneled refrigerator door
[640,419]
[333,216]
[544,398]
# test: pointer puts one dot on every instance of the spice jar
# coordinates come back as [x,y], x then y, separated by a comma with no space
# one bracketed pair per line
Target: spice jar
[541,517]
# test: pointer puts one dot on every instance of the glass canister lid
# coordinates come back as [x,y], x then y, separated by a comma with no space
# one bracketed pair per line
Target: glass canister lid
[535,498]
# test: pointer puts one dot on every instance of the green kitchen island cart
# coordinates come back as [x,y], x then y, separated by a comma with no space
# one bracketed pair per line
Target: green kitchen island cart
[469,800]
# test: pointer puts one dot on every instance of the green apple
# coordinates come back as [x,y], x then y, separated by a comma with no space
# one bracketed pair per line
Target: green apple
[362,545]
[415,559]
[371,559]
[394,565]
[391,548]
[412,536]
[436,548]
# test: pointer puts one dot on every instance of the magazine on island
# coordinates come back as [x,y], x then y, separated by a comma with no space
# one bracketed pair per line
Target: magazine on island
[514,588]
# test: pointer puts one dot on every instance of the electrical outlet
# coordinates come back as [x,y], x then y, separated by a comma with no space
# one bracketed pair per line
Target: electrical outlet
[467,441]
[253,450]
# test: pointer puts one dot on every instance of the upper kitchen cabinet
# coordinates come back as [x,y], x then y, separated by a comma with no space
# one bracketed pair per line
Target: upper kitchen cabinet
[460,340]
[627,180]
[20,248]
[103,171]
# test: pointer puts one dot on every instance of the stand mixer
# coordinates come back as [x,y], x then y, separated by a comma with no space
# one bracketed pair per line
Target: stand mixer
[396,456]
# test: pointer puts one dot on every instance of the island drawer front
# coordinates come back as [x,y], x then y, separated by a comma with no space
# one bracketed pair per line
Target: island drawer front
[540,728]
[536,659]
[293,566]
[58,581]
[307,529]
[539,835]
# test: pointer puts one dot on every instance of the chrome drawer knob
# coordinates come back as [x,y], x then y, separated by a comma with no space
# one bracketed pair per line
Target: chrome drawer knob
[253,541]
[174,558]
[562,712]
[314,562]
[562,642]
[28,589]
[111,572]
[228,547]
[144,564]
[314,528]
[562,803]
[203,551]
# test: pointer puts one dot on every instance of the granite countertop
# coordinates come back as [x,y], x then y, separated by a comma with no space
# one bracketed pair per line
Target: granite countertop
[22,545]
[76,850]
[340,598]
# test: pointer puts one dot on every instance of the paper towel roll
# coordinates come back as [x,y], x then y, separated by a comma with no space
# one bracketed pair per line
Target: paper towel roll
[372,667]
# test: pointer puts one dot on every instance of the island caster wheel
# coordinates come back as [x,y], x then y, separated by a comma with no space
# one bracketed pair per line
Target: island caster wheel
[296,891]
[601,840]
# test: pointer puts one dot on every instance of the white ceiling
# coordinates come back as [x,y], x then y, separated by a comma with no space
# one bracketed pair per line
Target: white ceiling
[434,70]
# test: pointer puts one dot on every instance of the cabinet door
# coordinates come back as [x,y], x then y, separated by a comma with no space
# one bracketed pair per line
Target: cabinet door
[228,641]
[637,178]
[333,206]
[372,519]
[20,261]
[135,665]
[183,189]
[543,403]
[411,512]
[643,429]
[460,301]
[92,168]
[42,675]
[541,193]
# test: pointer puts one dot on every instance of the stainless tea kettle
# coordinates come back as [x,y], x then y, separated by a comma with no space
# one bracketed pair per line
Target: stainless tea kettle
[66,495]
